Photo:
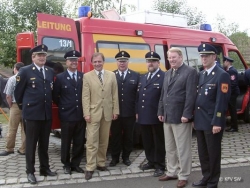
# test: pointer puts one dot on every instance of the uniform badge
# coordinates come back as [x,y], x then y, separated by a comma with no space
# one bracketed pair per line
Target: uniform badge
[232,77]
[224,88]
[17,78]
[32,78]
[218,114]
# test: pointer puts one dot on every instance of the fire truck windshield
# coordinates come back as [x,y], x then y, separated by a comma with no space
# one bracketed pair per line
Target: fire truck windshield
[57,47]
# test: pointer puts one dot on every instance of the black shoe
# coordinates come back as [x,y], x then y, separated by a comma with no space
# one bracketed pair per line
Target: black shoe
[102,168]
[127,162]
[47,173]
[5,153]
[147,166]
[113,162]
[67,170]
[20,153]
[31,178]
[200,183]
[158,172]
[77,169]
[88,175]
[231,130]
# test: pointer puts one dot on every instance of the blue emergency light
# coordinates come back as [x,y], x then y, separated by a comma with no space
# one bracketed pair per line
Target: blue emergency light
[83,11]
[206,27]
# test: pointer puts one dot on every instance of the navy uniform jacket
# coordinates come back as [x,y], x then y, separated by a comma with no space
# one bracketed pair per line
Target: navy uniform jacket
[33,93]
[127,89]
[235,90]
[212,99]
[68,97]
[148,98]
[247,77]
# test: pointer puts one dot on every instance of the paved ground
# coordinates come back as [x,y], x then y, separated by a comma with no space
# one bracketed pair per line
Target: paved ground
[236,152]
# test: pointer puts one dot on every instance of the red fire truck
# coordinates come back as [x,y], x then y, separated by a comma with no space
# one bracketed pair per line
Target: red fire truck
[89,35]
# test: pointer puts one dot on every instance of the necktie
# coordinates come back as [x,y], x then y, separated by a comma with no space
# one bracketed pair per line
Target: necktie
[205,73]
[74,78]
[150,76]
[41,72]
[100,77]
[122,76]
[173,73]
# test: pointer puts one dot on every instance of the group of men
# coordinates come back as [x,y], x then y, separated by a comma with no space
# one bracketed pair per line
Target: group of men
[101,102]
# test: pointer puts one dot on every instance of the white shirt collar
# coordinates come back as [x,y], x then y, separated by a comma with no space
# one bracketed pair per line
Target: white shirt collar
[210,69]
[38,68]
[70,73]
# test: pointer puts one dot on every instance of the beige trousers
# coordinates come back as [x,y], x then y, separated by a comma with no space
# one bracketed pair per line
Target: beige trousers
[14,121]
[178,138]
[97,143]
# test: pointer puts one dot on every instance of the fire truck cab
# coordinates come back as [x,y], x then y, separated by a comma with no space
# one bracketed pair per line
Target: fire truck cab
[89,35]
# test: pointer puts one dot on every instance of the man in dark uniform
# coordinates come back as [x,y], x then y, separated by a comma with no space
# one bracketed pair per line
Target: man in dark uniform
[235,91]
[210,115]
[149,92]
[33,93]
[122,128]
[67,94]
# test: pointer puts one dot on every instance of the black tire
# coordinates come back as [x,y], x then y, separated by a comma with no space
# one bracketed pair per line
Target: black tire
[247,114]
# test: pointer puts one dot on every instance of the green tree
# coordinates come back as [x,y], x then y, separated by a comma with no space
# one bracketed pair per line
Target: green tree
[20,16]
[180,7]
[239,38]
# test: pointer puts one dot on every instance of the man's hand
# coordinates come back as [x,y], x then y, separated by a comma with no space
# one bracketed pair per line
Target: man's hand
[87,119]
[161,118]
[216,129]
[115,116]
[184,120]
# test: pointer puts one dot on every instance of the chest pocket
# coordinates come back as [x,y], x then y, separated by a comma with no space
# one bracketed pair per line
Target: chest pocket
[33,84]
[133,82]
[156,86]
[65,89]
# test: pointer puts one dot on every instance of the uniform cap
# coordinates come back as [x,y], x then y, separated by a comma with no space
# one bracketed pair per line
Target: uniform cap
[40,49]
[73,54]
[207,49]
[152,55]
[122,55]
[228,59]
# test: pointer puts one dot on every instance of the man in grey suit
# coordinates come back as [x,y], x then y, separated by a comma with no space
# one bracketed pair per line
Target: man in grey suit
[175,109]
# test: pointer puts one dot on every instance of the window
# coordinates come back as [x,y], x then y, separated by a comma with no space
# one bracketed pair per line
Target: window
[137,53]
[191,56]
[25,56]
[162,51]
[57,47]
[237,61]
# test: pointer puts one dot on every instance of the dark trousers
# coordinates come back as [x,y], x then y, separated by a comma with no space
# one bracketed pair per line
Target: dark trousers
[37,131]
[122,137]
[154,144]
[209,149]
[72,131]
[233,111]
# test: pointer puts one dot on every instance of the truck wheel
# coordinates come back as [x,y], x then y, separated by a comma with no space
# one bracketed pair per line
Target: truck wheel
[247,114]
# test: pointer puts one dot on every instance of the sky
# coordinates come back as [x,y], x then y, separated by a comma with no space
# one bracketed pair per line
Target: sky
[231,10]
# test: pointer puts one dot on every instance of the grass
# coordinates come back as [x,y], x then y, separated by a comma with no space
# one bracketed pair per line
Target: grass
[3,120]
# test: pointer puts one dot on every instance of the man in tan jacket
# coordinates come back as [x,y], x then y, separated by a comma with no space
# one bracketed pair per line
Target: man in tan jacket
[100,107]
